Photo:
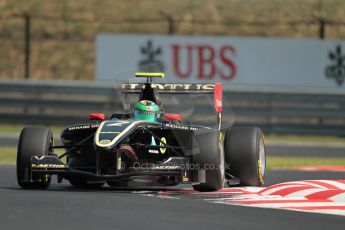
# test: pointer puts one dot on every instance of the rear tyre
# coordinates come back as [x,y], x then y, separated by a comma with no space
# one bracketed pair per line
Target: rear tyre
[245,153]
[33,141]
[128,158]
[81,182]
[211,160]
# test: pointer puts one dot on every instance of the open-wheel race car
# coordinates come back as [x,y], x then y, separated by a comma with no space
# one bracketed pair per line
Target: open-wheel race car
[146,146]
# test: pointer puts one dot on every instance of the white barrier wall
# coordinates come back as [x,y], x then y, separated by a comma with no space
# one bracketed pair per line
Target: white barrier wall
[230,60]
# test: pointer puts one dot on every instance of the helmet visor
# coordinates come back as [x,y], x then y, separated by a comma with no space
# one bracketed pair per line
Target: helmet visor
[145,115]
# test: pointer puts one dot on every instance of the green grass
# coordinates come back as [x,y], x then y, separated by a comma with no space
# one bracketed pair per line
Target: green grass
[8,155]
[16,128]
[289,162]
[304,138]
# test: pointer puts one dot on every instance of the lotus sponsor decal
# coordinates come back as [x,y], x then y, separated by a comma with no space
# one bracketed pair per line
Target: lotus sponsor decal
[170,86]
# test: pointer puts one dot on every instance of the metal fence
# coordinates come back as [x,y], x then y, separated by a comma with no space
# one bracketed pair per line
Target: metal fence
[274,109]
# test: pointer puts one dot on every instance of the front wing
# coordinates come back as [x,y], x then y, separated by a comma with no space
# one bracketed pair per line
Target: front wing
[174,166]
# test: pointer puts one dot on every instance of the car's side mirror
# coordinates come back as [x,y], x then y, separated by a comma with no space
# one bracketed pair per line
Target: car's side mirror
[172,117]
[96,117]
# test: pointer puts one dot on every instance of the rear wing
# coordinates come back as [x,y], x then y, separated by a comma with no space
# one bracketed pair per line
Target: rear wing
[170,88]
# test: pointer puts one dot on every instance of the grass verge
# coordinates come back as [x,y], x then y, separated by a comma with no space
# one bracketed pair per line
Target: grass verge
[289,162]
[17,128]
[304,138]
[8,155]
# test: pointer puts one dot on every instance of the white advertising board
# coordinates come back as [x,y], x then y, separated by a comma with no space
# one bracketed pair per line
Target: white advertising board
[230,60]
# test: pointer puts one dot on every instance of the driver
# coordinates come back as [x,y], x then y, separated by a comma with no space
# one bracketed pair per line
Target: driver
[146,110]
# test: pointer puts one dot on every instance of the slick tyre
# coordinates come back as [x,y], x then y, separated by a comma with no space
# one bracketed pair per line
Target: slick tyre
[128,155]
[245,154]
[81,182]
[33,141]
[211,161]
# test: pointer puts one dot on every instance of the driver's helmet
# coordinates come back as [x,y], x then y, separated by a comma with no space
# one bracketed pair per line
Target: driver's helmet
[146,110]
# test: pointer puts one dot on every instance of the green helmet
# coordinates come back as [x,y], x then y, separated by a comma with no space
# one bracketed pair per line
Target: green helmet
[146,110]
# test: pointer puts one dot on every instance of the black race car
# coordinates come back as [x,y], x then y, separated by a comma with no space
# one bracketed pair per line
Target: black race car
[146,146]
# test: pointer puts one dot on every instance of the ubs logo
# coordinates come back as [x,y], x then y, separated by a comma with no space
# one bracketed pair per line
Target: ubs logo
[336,71]
[150,61]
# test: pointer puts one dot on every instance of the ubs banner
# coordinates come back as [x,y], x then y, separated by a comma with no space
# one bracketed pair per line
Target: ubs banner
[253,61]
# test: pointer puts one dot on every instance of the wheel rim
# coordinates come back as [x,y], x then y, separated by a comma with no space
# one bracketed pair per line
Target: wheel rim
[222,164]
[262,156]
[222,158]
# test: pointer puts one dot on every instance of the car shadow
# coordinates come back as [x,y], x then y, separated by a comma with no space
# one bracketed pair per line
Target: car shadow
[106,189]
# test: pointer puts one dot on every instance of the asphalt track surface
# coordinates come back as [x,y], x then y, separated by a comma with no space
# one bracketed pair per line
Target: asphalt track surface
[64,207]
[273,149]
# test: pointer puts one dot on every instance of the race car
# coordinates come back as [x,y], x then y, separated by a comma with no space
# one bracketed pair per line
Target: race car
[146,146]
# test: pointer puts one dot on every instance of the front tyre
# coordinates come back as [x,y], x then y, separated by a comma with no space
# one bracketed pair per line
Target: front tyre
[245,153]
[33,141]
